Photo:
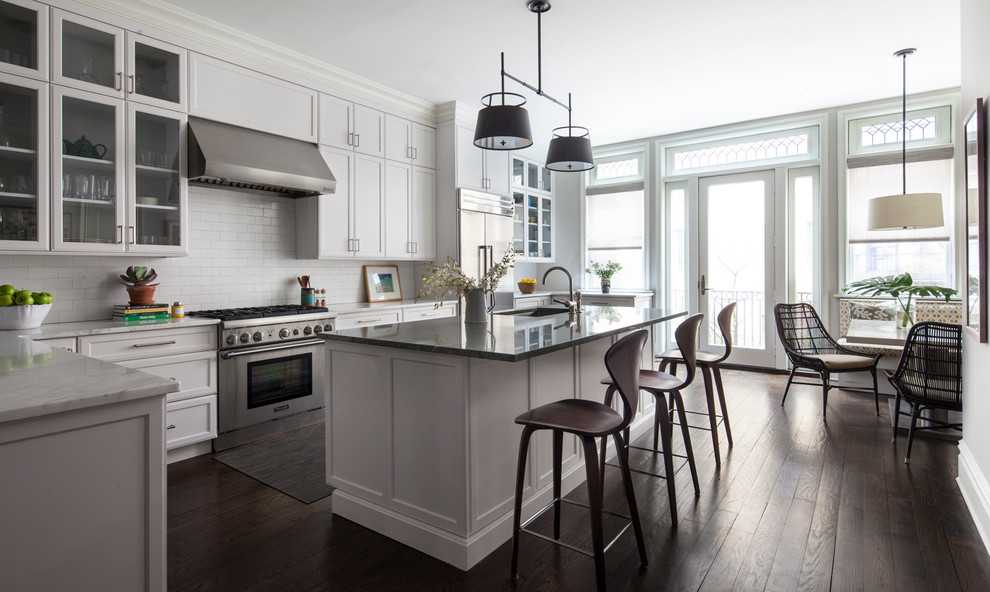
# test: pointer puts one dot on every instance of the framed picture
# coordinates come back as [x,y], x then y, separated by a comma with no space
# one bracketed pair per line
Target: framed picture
[976,222]
[383,283]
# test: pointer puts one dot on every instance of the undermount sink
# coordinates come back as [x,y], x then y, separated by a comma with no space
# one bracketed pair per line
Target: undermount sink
[540,311]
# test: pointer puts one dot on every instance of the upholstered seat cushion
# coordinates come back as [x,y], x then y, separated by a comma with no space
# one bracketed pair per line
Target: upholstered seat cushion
[573,415]
[843,361]
[704,356]
[652,380]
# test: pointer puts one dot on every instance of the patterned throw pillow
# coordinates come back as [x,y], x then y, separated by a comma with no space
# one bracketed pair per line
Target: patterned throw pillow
[873,311]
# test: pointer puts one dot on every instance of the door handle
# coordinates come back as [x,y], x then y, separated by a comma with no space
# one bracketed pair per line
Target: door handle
[130,81]
[701,286]
[120,80]
[357,140]
[350,138]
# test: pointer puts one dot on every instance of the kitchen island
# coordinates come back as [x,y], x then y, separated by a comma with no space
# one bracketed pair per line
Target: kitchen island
[421,439]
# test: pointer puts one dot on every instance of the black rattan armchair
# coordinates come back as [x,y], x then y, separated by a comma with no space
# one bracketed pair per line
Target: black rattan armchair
[929,376]
[809,346]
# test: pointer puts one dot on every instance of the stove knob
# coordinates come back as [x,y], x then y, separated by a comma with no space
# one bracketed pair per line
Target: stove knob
[245,338]
[257,335]
[295,331]
[328,327]
[307,330]
[317,328]
[231,339]
[283,333]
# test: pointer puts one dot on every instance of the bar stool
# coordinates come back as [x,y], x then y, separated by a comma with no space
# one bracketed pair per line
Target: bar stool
[587,420]
[660,384]
[709,363]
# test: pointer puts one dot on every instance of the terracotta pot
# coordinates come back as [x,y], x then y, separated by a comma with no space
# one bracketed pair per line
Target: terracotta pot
[141,294]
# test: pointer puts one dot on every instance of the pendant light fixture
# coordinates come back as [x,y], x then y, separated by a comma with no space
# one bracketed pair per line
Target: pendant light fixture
[905,210]
[505,125]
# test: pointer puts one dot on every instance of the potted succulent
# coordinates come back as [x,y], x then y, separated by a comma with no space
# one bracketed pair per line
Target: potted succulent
[139,287]
[898,286]
[441,280]
[604,273]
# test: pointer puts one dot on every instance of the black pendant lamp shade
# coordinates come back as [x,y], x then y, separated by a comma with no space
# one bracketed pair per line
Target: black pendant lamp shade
[501,126]
[571,151]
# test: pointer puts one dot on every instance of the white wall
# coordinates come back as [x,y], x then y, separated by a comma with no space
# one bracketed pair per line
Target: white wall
[242,253]
[974,457]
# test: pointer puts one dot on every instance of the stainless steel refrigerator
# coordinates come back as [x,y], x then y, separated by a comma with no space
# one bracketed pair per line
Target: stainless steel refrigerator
[485,232]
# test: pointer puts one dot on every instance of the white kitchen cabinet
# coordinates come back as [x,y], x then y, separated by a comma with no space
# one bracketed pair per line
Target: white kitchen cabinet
[485,170]
[83,499]
[66,343]
[531,301]
[24,160]
[24,38]
[222,91]
[410,212]
[187,355]
[428,311]
[533,216]
[156,72]
[348,223]
[411,142]
[92,214]
[351,126]
[632,299]
[371,318]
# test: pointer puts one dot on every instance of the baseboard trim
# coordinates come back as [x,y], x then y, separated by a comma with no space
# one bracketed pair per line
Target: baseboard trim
[975,491]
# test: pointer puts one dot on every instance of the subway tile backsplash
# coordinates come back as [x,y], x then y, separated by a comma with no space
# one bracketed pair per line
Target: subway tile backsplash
[242,253]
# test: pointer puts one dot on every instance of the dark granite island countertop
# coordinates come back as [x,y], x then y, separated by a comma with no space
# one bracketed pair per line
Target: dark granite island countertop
[507,337]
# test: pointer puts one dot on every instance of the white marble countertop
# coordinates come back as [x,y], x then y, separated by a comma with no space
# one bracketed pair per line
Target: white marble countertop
[81,328]
[38,380]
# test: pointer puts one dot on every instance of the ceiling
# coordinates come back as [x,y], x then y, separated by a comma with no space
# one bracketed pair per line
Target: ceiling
[636,68]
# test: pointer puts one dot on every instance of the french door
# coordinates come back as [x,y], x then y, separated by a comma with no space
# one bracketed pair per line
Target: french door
[736,263]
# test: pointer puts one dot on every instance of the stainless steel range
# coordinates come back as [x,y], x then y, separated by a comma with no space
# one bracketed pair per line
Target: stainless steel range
[272,370]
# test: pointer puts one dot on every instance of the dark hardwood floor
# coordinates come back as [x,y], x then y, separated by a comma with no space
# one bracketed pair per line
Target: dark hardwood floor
[797,505]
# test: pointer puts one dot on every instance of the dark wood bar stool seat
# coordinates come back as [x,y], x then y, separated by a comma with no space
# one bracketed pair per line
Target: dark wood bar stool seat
[587,420]
[663,385]
[709,362]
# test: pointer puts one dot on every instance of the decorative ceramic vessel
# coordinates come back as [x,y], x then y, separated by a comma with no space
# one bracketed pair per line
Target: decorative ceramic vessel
[477,306]
[142,294]
[23,317]
[606,285]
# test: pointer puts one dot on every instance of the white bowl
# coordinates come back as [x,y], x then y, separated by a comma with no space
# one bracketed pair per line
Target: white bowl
[23,317]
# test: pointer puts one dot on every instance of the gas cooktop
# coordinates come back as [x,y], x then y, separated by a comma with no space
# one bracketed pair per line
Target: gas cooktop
[257,312]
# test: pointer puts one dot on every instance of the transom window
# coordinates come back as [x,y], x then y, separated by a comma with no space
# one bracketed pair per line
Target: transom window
[782,146]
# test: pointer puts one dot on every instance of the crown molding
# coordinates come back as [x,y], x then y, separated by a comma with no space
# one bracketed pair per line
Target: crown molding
[180,22]
[458,113]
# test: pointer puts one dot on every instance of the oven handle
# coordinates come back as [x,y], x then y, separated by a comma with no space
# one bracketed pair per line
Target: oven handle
[258,350]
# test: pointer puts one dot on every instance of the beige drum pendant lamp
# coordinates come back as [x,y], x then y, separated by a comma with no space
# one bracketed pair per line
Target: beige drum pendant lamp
[904,210]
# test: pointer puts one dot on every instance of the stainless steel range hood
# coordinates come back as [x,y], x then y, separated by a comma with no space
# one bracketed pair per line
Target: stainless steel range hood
[230,156]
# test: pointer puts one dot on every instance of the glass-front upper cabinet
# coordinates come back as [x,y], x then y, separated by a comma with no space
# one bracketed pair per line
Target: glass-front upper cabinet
[156,72]
[95,56]
[89,209]
[24,38]
[156,155]
[532,198]
[24,198]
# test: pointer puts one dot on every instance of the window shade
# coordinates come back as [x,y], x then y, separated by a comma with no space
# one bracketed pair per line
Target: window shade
[867,182]
[615,220]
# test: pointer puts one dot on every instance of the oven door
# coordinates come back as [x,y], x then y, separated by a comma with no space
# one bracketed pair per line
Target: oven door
[267,383]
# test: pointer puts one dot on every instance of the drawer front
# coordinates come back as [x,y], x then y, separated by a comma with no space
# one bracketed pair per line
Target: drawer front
[608,300]
[196,373]
[367,319]
[115,347]
[66,343]
[531,302]
[190,421]
[422,314]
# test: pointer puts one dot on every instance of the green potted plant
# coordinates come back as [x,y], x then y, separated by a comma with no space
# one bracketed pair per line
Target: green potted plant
[605,272]
[442,280]
[899,286]
[139,287]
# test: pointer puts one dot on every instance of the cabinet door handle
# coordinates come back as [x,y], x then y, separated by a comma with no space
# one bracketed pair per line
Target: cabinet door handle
[120,80]
[172,342]
[132,234]
[350,244]
[358,241]
[170,426]
[415,153]
[130,83]
[120,234]
[415,247]
[357,140]
[369,320]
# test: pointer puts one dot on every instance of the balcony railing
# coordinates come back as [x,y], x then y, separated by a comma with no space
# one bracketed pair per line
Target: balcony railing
[749,320]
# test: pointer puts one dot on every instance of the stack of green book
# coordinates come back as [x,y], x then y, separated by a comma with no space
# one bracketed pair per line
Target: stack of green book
[141,313]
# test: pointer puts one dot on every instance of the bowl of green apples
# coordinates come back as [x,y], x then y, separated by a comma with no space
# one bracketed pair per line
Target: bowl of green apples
[23,309]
